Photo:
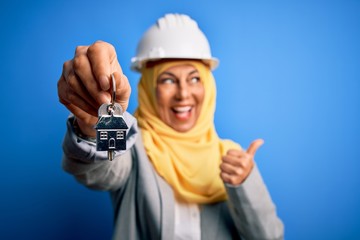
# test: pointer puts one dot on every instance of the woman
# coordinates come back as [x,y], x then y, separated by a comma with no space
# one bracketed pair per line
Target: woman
[177,180]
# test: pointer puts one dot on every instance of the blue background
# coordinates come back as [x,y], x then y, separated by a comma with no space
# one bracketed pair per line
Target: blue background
[289,73]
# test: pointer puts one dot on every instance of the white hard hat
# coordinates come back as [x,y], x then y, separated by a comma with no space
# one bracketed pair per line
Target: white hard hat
[174,36]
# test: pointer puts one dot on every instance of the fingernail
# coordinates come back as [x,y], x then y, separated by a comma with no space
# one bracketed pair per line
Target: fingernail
[104,83]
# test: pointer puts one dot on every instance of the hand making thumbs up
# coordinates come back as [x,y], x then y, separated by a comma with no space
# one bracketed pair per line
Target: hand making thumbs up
[237,164]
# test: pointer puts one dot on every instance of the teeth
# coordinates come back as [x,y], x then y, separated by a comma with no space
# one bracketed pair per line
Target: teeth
[182,109]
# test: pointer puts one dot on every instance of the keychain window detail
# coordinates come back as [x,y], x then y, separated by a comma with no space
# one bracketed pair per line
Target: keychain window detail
[103,136]
[120,135]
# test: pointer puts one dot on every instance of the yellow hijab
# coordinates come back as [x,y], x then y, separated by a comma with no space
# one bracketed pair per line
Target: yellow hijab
[188,161]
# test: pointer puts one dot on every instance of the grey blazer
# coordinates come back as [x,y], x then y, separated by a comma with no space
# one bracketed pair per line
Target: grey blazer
[144,203]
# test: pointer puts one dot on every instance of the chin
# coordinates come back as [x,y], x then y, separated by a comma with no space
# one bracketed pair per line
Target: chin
[182,128]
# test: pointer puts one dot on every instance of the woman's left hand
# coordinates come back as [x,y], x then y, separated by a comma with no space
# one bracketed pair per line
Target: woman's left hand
[237,164]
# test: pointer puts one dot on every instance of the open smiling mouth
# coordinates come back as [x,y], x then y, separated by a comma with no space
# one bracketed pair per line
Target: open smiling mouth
[182,113]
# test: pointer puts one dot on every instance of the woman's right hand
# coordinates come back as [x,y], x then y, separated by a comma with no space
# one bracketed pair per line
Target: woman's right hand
[85,83]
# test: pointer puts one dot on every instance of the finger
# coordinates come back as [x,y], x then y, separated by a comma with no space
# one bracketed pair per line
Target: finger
[231,169]
[68,97]
[230,179]
[83,116]
[101,56]
[62,90]
[123,90]
[235,161]
[73,82]
[236,152]
[254,146]
[246,162]
[79,50]
[225,177]
[81,104]
[82,70]
[76,86]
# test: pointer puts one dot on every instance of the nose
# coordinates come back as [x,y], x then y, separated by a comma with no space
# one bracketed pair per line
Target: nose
[183,90]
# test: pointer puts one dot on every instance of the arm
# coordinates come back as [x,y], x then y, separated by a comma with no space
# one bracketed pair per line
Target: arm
[252,209]
[92,168]
[250,203]
[83,86]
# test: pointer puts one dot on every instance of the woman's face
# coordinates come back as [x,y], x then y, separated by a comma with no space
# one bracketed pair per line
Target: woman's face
[180,95]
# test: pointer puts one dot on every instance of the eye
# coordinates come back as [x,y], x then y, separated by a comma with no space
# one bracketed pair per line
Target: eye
[194,79]
[167,81]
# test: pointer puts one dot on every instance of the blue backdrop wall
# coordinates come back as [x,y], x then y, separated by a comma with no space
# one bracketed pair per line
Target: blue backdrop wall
[289,73]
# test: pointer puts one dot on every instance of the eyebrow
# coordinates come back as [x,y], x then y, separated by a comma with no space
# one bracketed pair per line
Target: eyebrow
[169,73]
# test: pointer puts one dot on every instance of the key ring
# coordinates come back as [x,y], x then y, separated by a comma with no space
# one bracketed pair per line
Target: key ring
[113,81]
[113,95]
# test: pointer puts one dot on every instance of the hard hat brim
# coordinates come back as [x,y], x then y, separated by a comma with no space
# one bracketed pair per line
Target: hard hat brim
[138,64]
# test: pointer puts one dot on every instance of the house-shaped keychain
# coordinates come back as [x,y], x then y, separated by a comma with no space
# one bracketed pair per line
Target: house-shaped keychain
[110,129]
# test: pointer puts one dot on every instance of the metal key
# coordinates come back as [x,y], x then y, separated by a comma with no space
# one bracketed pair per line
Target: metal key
[111,126]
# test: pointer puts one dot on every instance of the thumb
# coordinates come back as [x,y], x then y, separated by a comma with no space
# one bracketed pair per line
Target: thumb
[254,146]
